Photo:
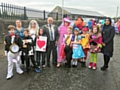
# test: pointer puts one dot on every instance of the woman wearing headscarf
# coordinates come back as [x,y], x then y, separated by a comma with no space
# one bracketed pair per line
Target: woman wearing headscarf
[108,34]
[62,30]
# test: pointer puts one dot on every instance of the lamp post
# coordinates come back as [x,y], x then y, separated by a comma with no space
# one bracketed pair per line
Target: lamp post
[62,8]
[117,12]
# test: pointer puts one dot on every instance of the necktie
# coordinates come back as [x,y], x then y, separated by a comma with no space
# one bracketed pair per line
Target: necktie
[51,34]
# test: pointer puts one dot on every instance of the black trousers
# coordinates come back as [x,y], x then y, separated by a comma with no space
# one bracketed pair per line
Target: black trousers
[22,58]
[38,57]
[68,52]
[27,58]
[106,60]
[52,48]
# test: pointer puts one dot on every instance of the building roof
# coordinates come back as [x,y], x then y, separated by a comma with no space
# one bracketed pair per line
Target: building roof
[83,12]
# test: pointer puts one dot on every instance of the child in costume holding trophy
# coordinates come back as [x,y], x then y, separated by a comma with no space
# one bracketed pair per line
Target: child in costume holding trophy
[28,51]
[13,51]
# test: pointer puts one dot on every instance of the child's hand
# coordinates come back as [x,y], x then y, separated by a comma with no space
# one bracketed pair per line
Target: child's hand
[56,42]
[5,43]
[37,35]
[72,42]
[26,41]
[20,53]
[68,36]
[6,53]
[24,46]
[104,44]
[71,45]
[83,47]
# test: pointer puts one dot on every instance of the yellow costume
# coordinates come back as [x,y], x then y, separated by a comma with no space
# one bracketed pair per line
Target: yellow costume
[85,40]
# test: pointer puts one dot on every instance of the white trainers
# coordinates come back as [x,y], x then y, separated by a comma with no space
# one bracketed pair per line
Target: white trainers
[39,67]
[94,68]
[76,63]
[20,72]
[73,63]
[43,66]
[9,77]
[89,66]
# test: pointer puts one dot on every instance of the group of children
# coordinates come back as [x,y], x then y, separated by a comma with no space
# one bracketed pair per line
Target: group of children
[24,48]
[76,46]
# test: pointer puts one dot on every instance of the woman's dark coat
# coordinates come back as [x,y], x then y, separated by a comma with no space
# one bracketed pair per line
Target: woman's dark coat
[108,34]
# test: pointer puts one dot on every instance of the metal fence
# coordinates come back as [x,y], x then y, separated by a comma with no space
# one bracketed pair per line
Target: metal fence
[9,11]
[2,36]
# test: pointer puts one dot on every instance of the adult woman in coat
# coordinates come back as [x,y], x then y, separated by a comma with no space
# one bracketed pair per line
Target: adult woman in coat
[108,34]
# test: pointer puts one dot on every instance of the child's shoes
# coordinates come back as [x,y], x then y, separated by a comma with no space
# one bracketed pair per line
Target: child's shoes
[90,65]
[39,67]
[83,64]
[73,64]
[76,63]
[9,77]
[37,70]
[94,66]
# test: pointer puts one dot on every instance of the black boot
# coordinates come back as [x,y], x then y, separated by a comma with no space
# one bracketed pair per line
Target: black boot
[79,61]
[106,61]
[48,65]
[83,64]
[104,67]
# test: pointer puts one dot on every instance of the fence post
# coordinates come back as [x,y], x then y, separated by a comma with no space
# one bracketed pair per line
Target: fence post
[57,16]
[44,14]
[0,14]
[24,13]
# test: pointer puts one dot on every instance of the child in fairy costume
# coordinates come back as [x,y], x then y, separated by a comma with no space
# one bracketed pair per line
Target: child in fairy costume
[95,46]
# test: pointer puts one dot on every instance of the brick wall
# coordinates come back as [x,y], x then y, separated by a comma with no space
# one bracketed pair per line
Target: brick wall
[4,24]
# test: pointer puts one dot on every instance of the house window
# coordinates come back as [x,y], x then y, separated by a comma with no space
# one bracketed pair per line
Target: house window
[73,17]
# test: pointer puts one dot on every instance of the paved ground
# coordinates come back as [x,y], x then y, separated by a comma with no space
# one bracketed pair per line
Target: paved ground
[66,79]
[1,50]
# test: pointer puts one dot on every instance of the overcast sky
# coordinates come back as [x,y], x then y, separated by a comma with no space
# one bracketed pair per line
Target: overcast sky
[105,7]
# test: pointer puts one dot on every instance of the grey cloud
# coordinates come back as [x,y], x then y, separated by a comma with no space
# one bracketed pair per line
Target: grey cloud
[107,7]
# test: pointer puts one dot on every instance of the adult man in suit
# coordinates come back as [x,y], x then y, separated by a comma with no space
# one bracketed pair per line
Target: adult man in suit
[51,31]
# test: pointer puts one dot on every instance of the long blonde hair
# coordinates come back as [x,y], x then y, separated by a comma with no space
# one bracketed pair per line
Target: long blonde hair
[37,26]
